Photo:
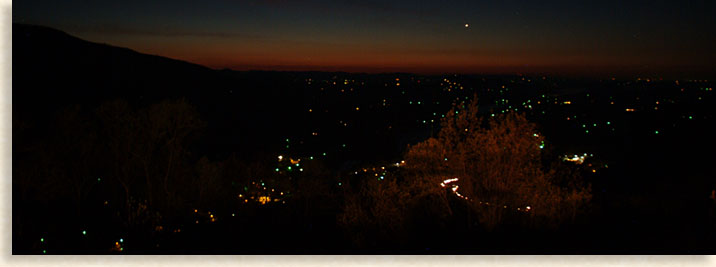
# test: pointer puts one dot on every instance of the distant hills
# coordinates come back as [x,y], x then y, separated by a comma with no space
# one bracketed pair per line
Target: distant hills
[50,64]
[53,70]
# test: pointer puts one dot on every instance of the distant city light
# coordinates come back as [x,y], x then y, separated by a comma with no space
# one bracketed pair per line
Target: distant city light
[576,159]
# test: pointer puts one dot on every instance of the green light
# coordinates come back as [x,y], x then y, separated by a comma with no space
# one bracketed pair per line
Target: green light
[297,165]
[311,157]
[324,153]
[277,169]
[344,145]
[99,179]
[587,131]
[595,125]
[339,183]
[84,232]
[690,117]
[656,132]
[121,240]
[493,114]
[286,139]
[456,112]
[289,168]
[44,251]
[584,126]
[445,159]
[609,123]
[42,240]
[286,146]
[535,135]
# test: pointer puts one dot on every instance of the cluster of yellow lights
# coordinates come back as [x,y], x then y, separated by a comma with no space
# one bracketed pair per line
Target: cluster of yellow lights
[264,199]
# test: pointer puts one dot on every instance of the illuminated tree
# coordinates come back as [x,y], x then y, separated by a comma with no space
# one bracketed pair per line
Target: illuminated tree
[376,208]
[119,129]
[497,163]
[393,210]
[146,152]
[169,127]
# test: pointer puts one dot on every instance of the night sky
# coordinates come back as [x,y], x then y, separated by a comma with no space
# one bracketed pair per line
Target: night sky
[638,37]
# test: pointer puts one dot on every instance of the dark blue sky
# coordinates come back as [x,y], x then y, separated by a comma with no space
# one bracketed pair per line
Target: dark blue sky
[423,36]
